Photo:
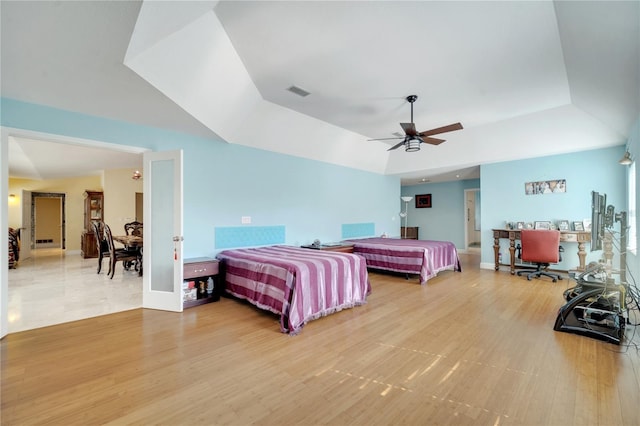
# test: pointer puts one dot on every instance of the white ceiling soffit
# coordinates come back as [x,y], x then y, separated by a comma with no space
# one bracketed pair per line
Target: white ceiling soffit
[199,69]
[525,78]
[74,62]
[168,17]
[601,47]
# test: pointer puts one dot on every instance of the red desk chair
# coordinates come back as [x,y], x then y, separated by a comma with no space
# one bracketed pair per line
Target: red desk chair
[541,247]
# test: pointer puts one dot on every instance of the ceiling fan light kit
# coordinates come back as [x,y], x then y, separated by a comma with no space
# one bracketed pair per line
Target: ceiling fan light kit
[412,138]
[412,145]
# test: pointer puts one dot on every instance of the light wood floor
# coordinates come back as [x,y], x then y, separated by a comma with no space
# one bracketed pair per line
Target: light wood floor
[470,348]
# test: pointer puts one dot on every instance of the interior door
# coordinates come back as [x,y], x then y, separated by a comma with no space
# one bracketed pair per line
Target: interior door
[25,228]
[162,252]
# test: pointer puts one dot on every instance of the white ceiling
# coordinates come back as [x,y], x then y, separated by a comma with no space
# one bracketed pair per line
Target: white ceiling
[524,78]
[32,158]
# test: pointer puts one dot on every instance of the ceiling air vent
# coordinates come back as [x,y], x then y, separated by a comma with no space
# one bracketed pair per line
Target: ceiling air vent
[298,91]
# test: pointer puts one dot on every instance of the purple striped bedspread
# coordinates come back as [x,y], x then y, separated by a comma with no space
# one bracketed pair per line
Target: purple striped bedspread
[296,283]
[422,257]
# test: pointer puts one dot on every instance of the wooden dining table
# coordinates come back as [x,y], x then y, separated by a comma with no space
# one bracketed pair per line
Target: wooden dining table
[132,242]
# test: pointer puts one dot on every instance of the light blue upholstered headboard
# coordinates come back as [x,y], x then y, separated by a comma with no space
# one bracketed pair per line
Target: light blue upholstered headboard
[354,230]
[249,236]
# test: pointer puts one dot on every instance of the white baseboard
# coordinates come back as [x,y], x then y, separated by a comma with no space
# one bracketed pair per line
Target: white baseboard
[467,251]
[488,265]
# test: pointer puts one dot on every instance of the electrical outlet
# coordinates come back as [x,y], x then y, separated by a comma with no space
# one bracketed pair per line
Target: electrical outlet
[246,219]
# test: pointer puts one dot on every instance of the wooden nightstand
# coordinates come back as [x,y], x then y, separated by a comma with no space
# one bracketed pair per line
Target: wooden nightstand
[409,233]
[196,274]
[343,248]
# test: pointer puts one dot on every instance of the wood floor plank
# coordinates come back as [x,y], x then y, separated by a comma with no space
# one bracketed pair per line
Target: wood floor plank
[470,348]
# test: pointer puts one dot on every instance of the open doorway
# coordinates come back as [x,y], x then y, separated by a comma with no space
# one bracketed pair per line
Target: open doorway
[72,287]
[472,220]
[47,220]
[139,206]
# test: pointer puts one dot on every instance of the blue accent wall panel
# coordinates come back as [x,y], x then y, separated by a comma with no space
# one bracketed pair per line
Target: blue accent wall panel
[249,236]
[353,230]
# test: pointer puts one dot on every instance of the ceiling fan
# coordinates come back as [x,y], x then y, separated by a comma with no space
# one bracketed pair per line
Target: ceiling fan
[412,138]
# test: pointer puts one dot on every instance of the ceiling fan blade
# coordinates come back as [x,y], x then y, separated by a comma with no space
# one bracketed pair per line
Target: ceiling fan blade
[386,139]
[396,146]
[432,141]
[409,128]
[443,129]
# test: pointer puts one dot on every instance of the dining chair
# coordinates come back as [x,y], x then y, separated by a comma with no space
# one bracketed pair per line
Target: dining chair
[127,257]
[101,243]
[14,248]
[133,228]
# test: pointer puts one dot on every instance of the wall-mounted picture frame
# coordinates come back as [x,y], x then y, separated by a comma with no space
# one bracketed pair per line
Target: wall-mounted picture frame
[545,187]
[542,224]
[578,226]
[423,201]
[563,225]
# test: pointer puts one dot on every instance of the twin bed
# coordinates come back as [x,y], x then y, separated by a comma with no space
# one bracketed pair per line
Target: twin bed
[295,283]
[421,257]
[300,284]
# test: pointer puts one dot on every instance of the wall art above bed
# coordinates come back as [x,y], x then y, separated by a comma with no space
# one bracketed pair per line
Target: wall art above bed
[423,201]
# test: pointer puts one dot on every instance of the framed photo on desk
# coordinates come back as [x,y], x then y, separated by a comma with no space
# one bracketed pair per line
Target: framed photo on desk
[542,225]
[578,226]
[563,225]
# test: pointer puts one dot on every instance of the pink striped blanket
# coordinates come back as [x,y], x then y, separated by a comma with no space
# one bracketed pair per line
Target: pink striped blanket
[423,257]
[295,283]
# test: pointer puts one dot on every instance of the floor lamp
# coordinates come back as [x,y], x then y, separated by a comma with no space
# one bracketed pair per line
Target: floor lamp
[405,213]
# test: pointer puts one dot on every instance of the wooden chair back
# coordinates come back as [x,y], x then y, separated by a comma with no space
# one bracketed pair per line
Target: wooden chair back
[118,255]
[133,228]
[101,242]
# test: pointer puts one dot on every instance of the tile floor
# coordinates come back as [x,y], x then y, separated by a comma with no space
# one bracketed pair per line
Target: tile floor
[52,287]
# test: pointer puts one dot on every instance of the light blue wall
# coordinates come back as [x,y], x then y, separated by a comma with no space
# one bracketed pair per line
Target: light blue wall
[504,198]
[223,182]
[445,220]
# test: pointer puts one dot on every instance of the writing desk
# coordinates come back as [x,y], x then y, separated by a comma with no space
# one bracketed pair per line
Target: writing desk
[580,237]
